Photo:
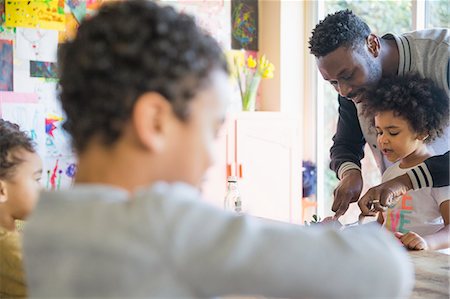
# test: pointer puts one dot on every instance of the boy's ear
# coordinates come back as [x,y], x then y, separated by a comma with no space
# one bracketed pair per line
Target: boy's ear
[149,117]
[373,44]
[3,191]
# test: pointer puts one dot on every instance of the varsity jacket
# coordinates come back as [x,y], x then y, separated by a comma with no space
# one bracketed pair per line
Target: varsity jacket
[427,53]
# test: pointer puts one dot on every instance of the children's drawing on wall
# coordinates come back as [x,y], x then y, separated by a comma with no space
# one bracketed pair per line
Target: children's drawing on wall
[57,141]
[36,44]
[78,9]
[6,65]
[43,69]
[59,172]
[2,12]
[48,14]
[24,110]
[244,24]
[213,16]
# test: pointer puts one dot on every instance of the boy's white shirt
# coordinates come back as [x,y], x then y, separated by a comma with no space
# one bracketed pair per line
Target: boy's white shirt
[419,211]
[99,241]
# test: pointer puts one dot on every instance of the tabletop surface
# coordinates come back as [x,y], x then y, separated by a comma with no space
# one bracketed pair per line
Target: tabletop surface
[432,274]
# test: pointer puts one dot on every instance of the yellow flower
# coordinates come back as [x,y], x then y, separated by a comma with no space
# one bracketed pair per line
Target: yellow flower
[251,62]
[248,74]
[267,72]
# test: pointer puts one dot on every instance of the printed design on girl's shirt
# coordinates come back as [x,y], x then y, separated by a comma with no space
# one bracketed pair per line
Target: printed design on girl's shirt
[397,217]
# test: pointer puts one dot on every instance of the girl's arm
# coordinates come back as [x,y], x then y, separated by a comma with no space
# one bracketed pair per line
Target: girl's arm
[441,239]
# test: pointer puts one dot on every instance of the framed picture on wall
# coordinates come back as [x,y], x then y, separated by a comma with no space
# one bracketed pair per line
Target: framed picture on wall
[244,24]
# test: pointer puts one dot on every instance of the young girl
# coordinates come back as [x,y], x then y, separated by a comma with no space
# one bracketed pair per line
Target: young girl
[409,112]
[20,172]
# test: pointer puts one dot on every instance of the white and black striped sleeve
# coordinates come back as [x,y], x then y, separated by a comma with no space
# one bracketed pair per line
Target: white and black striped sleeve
[433,172]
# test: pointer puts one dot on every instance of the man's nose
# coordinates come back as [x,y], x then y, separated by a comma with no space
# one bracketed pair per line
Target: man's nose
[344,89]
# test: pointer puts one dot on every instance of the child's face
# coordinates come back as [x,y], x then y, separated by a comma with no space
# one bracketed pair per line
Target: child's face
[192,144]
[395,137]
[22,189]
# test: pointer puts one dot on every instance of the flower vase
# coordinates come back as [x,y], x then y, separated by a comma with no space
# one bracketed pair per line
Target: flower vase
[249,97]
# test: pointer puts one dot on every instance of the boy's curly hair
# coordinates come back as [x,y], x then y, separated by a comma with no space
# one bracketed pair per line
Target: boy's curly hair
[419,101]
[11,139]
[341,29]
[127,49]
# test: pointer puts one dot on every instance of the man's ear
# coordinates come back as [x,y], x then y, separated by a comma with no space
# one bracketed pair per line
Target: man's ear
[3,191]
[150,115]
[373,44]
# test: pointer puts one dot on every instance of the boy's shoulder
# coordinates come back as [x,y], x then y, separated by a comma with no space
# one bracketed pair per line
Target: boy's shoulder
[95,203]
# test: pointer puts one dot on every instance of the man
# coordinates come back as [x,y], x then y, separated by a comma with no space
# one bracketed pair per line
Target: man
[353,59]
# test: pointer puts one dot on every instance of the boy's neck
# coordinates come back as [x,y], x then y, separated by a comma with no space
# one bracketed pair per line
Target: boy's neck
[415,158]
[116,165]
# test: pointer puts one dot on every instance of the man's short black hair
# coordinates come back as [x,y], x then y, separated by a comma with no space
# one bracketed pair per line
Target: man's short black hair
[419,101]
[127,49]
[341,29]
[12,139]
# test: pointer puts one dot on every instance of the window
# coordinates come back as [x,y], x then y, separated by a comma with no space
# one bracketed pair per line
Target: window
[382,17]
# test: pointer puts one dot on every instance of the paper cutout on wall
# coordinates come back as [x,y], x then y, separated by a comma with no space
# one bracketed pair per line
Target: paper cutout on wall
[6,65]
[43,14]
[43,69]
[244,24]
[57,140]
[50,126]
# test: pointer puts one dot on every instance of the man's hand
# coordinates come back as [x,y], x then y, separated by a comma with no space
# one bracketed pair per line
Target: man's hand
[348,191]
[412,241]
[383,195]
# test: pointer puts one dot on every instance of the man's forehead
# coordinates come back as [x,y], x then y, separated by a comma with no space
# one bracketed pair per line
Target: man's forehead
[335,62]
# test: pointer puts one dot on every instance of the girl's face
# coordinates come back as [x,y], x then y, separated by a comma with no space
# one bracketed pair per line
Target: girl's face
[395,137]
[21,191]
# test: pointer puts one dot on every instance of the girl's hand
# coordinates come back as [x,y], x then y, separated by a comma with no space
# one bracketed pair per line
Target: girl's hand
[412,241]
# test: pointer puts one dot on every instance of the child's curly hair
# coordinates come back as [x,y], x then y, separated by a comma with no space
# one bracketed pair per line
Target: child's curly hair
[419,101]
[127,49]
[341,29]
[11,138]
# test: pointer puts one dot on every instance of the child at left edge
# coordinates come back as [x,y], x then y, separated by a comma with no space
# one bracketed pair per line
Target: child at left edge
[20,175]
[408,112]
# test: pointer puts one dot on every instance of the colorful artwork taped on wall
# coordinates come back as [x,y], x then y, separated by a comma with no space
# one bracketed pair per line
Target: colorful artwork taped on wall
[212,16]
[71,29]
[78,9]
[59,172]
[44,14]
[6,65]
[2,12]
[244,24]
[43,69]
[24,110]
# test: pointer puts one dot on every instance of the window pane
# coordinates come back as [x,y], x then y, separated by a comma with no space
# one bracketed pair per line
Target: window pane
[382,17]
[437,13]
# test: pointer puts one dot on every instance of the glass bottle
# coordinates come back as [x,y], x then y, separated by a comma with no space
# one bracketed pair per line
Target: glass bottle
[232,200]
